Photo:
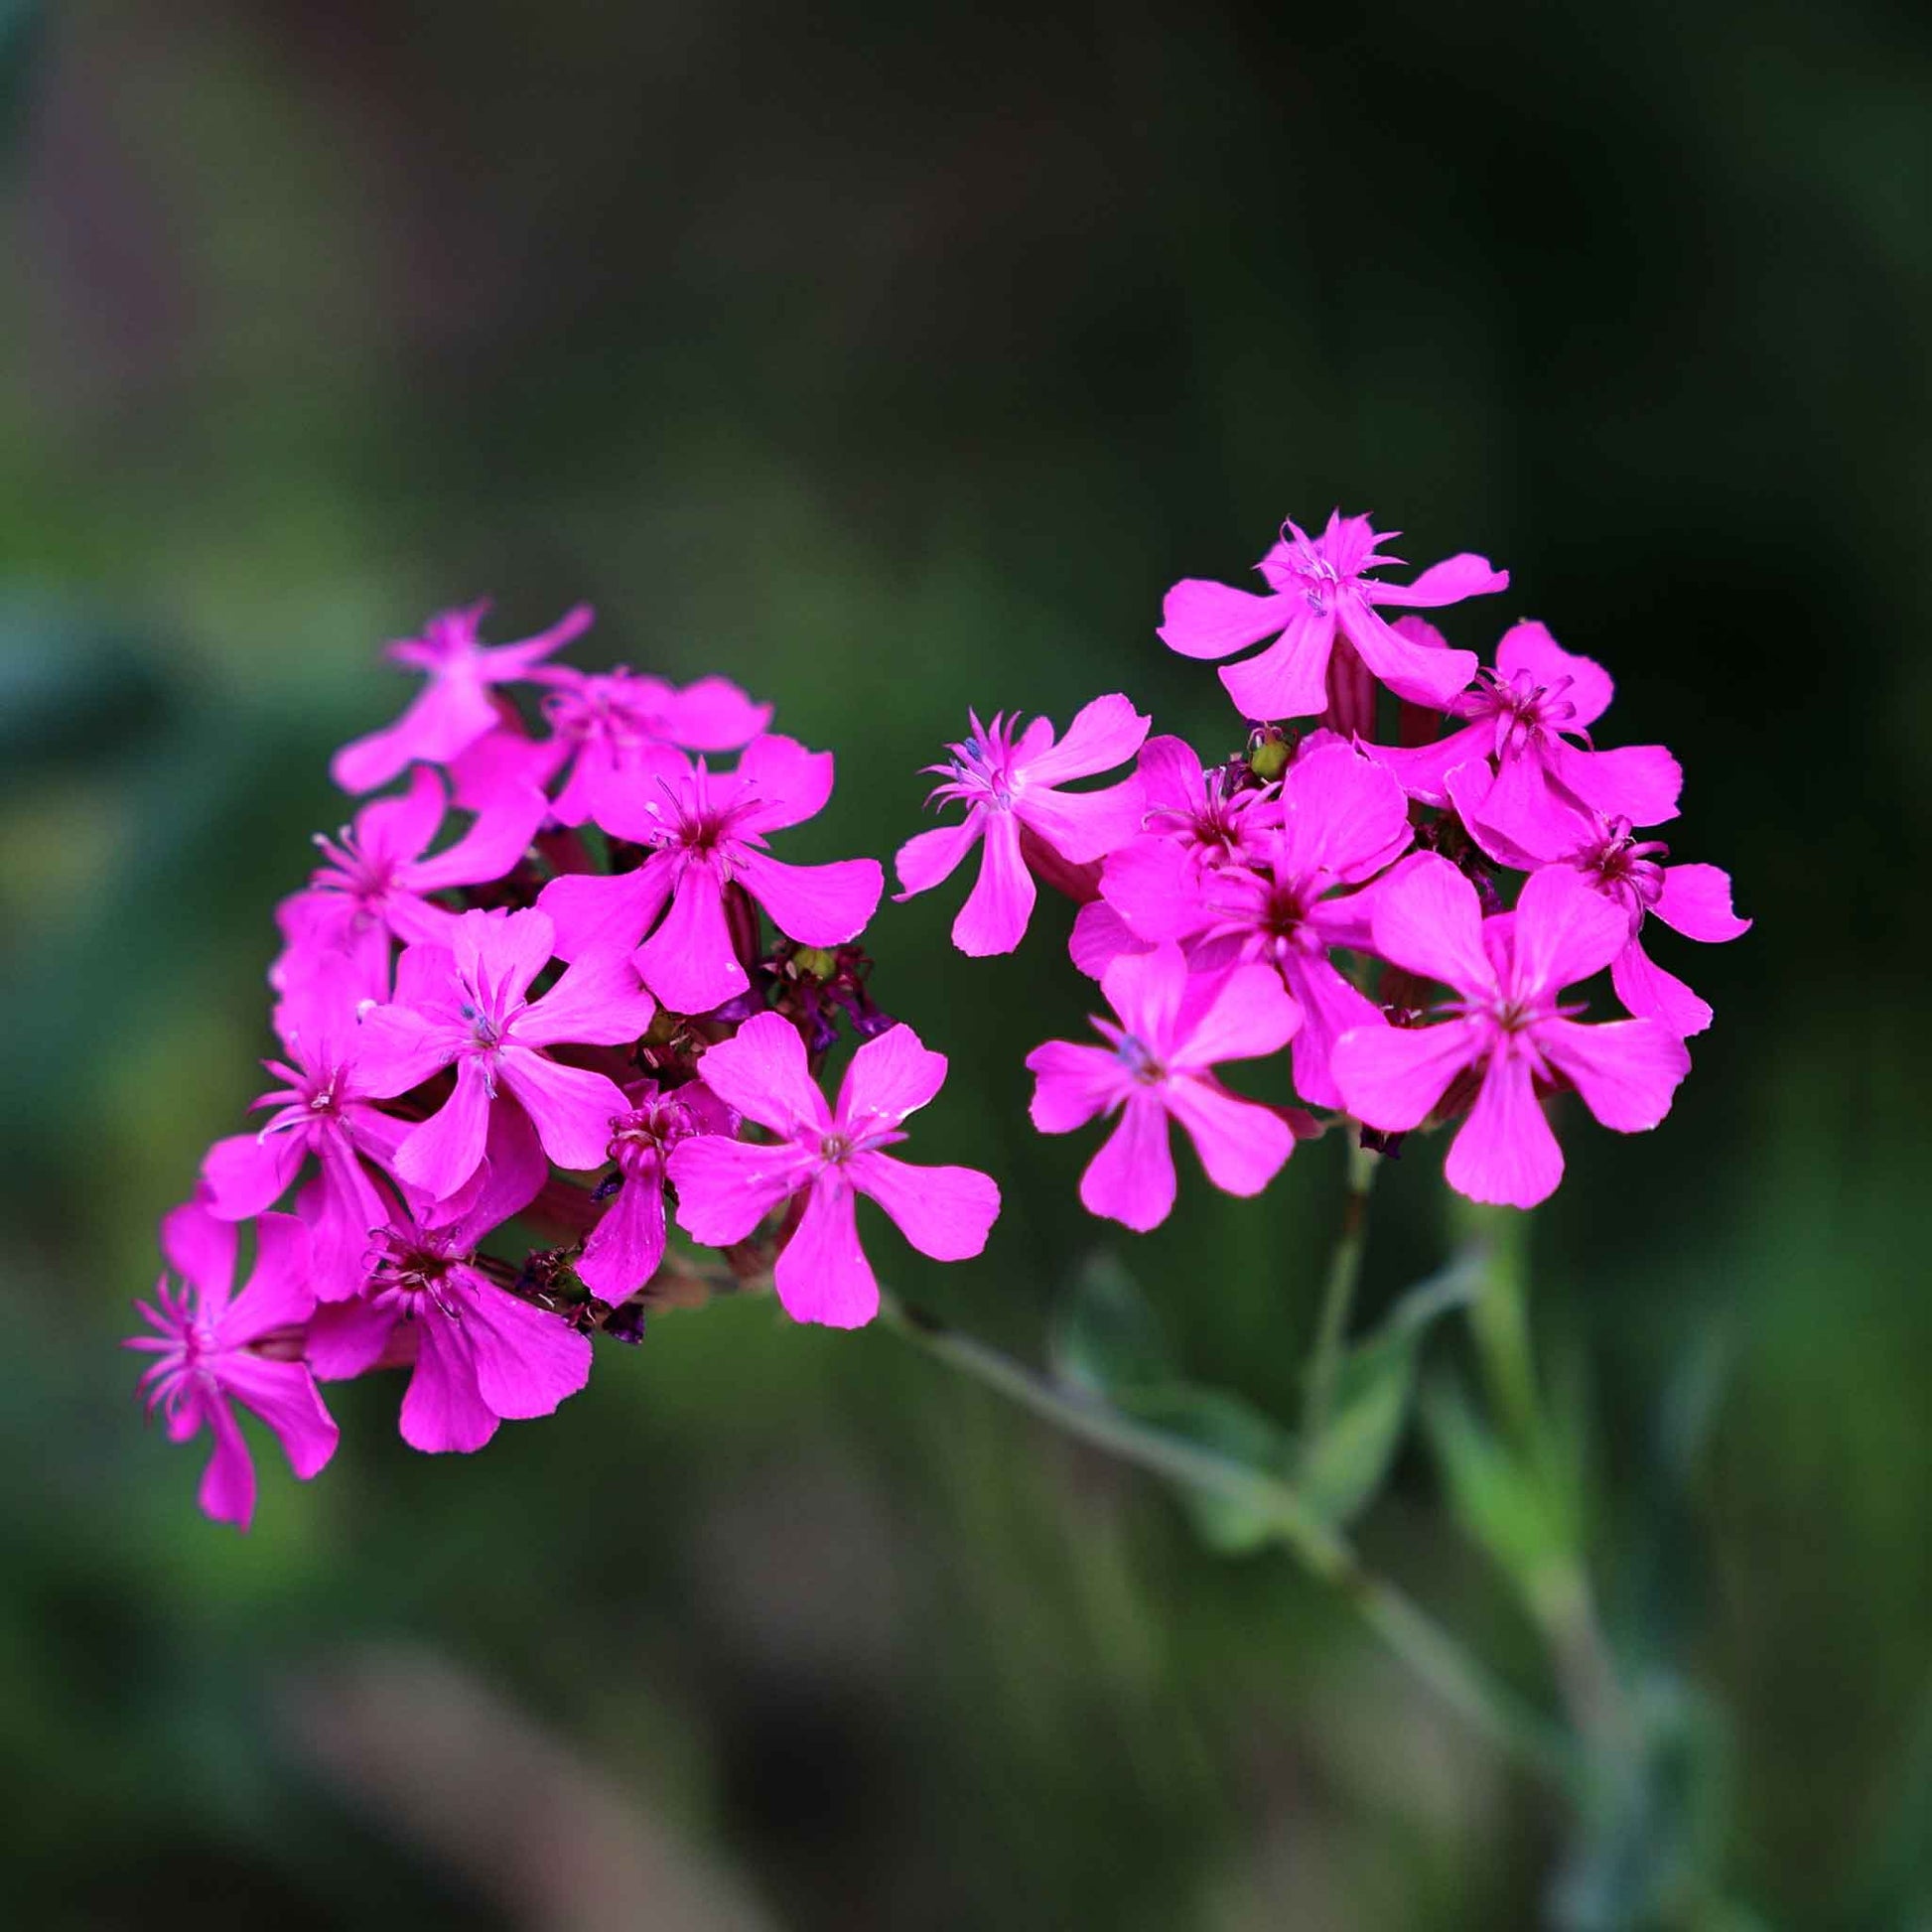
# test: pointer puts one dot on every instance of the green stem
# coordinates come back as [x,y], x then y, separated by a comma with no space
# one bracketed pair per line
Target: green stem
[1456,1677]
[1338,1290]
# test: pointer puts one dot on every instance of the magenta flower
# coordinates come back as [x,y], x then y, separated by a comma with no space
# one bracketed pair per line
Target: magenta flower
[324,1109]
[374,883]
[707,832]
[466,1004]
[455,708]
[481,1354]
[1693,899]
[829,1157]
[625,1248]
[210,1354]
[1508,1026]
[1213,821]
[1009,781]
[1536,803]
[1159,1065]
[609,725]
[1320,592]
[1342,819]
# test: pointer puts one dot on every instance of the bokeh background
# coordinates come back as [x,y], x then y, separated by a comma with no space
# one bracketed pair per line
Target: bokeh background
[891,360]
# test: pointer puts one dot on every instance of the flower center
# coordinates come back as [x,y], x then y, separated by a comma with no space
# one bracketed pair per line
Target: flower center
[1139,1061]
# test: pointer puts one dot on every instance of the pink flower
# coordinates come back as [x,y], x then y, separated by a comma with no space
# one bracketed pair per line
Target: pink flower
[1536,803]
[455,709]
[1319,589]
[375,882]
[1010,786]
[324,1109]
[1695,899]
[1158,1065]
[1510,972]
[726,1187]
[467,1004]
[481,1354]
[625,1248]
[707,832]
[1342,819]
[609,723]
[1214,821]
[207,1351]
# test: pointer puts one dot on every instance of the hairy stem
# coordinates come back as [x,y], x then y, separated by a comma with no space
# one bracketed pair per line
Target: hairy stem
[1456,1677]
[1338,1290]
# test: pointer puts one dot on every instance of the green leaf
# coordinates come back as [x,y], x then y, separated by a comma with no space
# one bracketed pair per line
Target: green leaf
[1233,1429]
[1105,1335]
[1369,1413]
[1500,1501]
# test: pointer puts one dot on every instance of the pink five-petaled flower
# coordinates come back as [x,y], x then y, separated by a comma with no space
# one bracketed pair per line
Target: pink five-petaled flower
[322,1108]
[1510,972]
[467,1005]
[1695,899]
[207,1356]
[455,708]
[707,832]
[1009,780]
[1343,818]
[1158,1065]
[1537,803]
[608,722]
[624,1249]
[1320,590]
[373,884]
[481,1354]
[726,1187]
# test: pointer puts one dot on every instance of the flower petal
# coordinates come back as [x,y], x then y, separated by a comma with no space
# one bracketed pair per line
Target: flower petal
[444,1151]
[1085,826]
[1243,1014]
[1131,1179]
[1199,618]
[891,1077]
[1530,648]
[927,859]
[1290,679]
[1625,1069]
[1449,582]
[1072,1083]
[725,1188]
[822,1275]
[1565,931]
[818,906]
[1505,1152]
[285,1397]
[1105,731]
[997,910]
[1697,902]
[598,1002]
[526,1359]
[689,962]
[624,1250]
[591,913]
[1425,674]
[442,1409]
[200,1249]
[227,1491]
[761,1070]
[1650,993]
[571,1107]
[945,1212]
[1429,920]
[1391,1078]
[1242,1146]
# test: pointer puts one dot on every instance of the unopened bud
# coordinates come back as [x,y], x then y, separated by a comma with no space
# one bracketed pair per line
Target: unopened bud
[820,962]
[1267,758]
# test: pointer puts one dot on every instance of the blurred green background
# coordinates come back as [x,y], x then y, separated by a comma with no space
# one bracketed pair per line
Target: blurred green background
[894,360]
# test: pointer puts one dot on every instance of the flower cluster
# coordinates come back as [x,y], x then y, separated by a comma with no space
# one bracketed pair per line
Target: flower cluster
[556,978]
[1400,878]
